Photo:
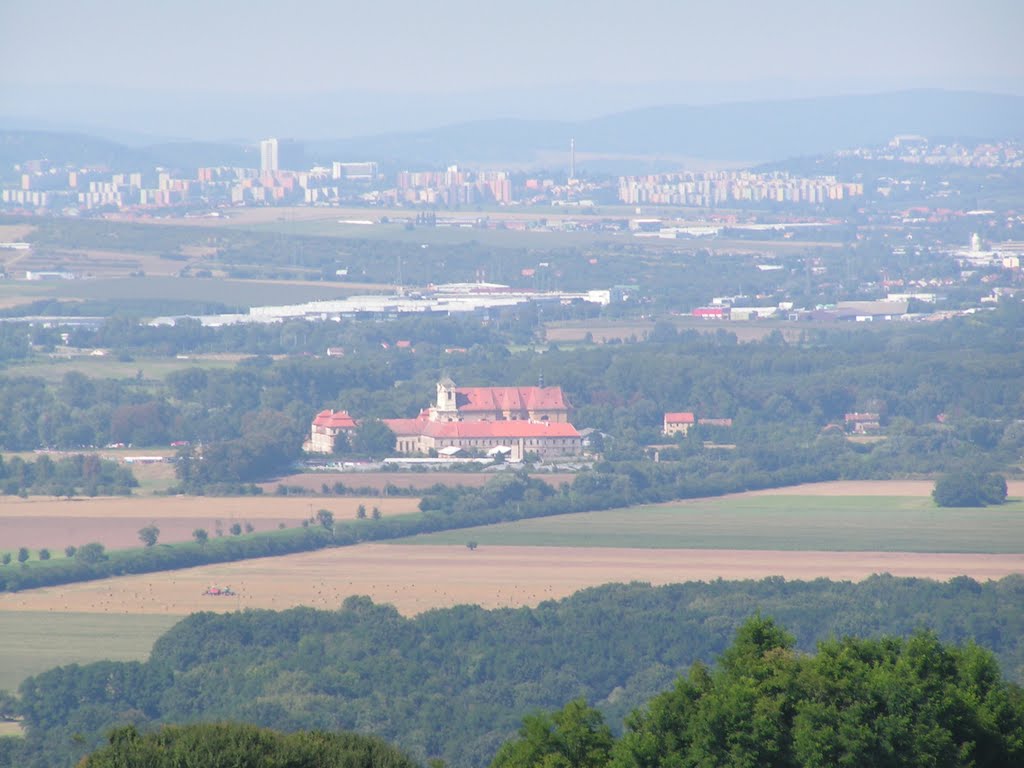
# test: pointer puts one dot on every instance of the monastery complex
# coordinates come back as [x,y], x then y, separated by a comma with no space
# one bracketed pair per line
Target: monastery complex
[514,421]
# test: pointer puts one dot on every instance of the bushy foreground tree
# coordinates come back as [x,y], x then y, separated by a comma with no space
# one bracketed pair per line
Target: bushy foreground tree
[231,745]
[574,737]
[892,702]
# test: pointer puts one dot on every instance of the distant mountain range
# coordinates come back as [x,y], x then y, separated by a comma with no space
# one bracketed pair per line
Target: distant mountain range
[741,132]
[746,131]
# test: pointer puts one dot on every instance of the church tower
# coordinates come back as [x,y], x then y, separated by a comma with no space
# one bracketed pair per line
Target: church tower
[446,408]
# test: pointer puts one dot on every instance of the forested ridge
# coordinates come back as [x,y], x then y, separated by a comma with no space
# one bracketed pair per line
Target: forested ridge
[856,702]
[455,683]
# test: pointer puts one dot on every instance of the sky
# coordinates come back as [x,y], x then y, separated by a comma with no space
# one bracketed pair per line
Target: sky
[537,57]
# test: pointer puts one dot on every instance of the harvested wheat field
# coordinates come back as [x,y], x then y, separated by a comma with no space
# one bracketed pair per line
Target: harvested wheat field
[870,488]
[115,521]
[419,578]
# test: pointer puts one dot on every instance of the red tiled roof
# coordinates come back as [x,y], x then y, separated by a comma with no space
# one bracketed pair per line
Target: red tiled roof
[680,417]
[406,426]
[513,430]
[334,420]
[510,399]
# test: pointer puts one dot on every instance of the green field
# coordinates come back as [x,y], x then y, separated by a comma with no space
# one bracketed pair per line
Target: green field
[240,293]
[844,523]
[10,729]
[32,642]
[52,369]
[396,231]
[441,235]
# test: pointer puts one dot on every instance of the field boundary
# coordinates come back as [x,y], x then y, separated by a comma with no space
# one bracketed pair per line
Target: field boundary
[269,544]
[416,578]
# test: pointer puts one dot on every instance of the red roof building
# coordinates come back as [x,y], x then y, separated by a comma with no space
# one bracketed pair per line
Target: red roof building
[524,419]
[521,419]
[547,438]
[711,313]
[499,403]
[678,422]
[326,427]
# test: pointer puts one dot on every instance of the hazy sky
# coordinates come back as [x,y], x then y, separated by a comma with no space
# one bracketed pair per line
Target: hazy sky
[264,46]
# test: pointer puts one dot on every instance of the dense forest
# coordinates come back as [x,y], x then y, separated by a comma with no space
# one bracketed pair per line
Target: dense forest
[455,683]
[887,701]
[856,702]
[230,745]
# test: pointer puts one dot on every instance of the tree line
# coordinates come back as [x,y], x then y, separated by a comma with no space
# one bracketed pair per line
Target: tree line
[506,497]
[80,474]
[251,419]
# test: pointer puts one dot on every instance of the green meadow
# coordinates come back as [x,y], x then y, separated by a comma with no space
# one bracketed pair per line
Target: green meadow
[32,642]
[844,523]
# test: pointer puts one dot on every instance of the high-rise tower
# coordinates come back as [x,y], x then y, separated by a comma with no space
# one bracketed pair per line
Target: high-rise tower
[572,158]
[268,156]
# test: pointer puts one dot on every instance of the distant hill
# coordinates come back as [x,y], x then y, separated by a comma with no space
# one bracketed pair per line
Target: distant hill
[18,146]
[747,132]
[60,148]
[742,131]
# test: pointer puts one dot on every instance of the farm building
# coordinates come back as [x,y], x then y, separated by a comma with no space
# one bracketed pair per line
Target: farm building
[679,422]
[863,423]
[326,427]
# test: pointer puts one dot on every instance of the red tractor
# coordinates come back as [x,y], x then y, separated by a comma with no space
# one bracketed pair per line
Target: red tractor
[219,591]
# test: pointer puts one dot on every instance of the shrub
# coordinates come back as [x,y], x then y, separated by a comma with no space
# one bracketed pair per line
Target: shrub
[969,489]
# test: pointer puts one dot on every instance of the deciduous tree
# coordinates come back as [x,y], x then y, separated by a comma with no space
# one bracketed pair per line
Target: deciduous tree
[149,535]
[326,518]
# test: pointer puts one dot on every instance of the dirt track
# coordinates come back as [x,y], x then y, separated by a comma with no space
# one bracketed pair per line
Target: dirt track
[418,578]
